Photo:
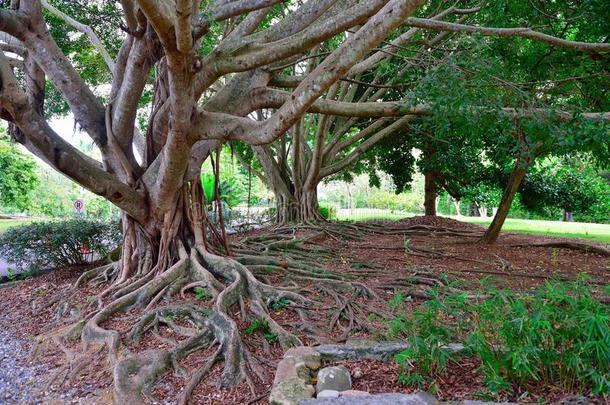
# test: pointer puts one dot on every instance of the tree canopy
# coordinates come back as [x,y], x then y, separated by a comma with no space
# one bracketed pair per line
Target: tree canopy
[18,176]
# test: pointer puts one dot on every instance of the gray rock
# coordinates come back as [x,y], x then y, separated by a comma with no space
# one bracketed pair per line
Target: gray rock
[291,368]
[361,349]
[328,394]
[354,393]
[291,392]
[420,398]
[576,400]
[334,378]
[369,349]
[310,356]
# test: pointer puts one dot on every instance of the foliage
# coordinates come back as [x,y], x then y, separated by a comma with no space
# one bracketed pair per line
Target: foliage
[106,19]
[428,354]
[231,192]
[202,294]
[234,184]
[14,275]
[54,197]
[469,133]
[57,243]
[397,300]
[484,194]
[207,183]
[260,325]
[328,212]
[571,185]
[360,194]
[17,177]
[557,335]
[280,304]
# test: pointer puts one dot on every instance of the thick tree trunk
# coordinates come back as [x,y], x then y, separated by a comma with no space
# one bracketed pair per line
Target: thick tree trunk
[568,216]
[164,258]
[516,177]
[430,195]
[300,207]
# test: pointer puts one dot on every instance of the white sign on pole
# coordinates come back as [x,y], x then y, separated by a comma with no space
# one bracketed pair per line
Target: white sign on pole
[79,206]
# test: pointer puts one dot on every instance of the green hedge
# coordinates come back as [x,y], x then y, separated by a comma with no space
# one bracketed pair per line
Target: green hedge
[41,245]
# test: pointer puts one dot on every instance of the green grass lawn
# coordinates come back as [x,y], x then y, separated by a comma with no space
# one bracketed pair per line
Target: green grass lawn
[598,232]
[7,223]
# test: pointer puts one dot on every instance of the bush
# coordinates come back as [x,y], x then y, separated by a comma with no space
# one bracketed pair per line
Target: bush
[328,212]
[42,245]
[559,335]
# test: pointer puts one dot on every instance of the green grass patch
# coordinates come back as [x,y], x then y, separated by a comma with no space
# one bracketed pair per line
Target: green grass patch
[9,223]
[583,230]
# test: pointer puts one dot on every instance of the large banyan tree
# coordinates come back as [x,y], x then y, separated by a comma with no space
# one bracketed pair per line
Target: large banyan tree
[212,66]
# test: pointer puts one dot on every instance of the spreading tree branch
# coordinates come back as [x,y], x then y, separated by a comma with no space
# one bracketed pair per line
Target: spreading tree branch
[521,32]
[40,139]
[85,29]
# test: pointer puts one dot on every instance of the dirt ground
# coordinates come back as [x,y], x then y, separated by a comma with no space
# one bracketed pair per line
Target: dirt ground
[382,262]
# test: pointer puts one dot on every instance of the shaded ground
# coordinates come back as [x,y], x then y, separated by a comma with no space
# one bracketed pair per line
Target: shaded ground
[511,264]
[382,262]
[582,230]
[17,377]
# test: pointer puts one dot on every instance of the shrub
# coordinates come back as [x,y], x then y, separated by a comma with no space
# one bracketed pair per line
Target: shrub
[558,335]
[428,354]
[328,211]
[57,243]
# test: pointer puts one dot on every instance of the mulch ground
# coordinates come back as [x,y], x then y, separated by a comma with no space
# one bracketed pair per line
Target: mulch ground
[376,260]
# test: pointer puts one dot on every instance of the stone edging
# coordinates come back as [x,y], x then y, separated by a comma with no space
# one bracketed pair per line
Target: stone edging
[297,372]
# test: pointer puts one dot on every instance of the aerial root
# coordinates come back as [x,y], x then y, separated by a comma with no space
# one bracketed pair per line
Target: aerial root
[197,377]
[231,285]
[97,275]
[421,284]
[135,373]
[352,312]
[63,311]
[76,361]
[290,264]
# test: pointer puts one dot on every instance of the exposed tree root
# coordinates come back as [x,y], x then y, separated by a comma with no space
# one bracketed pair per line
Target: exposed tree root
[231,283]
[237,283]
[579,246]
